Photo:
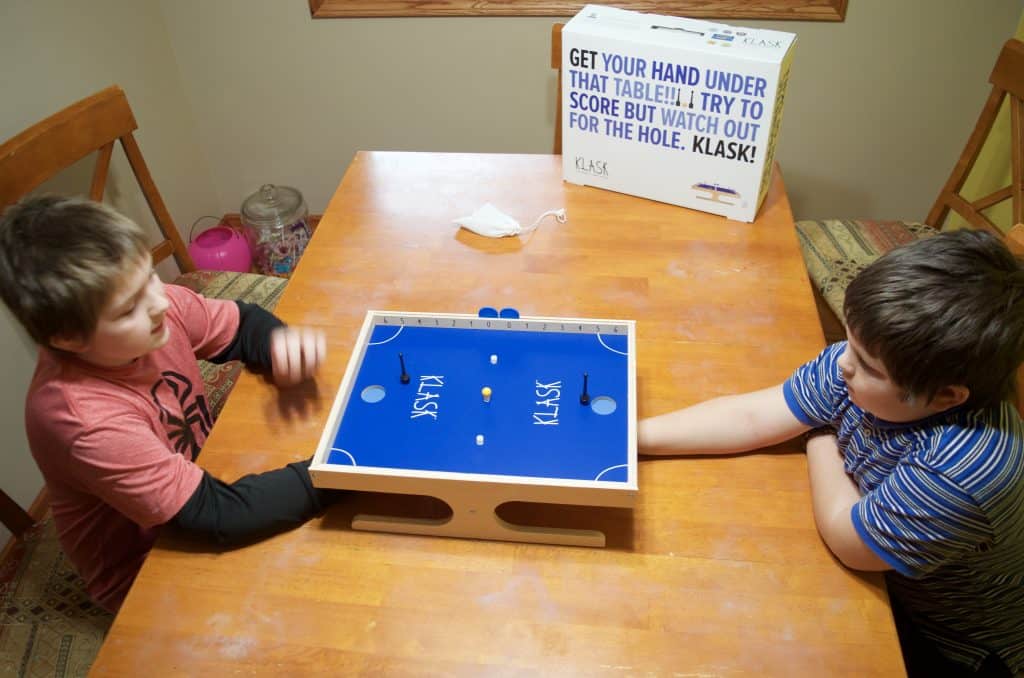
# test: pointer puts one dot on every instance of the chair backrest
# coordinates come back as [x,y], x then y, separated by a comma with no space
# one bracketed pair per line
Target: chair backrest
[1007,80]
[91,125]
[556,63]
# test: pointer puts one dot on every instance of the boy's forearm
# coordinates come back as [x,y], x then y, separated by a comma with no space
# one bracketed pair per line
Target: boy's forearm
[724,425]
[254,506]
[699,429]
[833,492]
[833,495]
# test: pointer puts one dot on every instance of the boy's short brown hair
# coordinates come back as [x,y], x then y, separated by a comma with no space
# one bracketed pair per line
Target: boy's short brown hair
[59,261]
[941,311]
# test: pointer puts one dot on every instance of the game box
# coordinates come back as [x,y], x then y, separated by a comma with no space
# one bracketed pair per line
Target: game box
[678,110]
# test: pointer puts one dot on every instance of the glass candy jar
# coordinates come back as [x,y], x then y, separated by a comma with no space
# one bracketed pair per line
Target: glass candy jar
[276,220]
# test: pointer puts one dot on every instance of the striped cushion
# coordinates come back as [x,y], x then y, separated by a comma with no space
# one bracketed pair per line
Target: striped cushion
[836,250]
[249,287]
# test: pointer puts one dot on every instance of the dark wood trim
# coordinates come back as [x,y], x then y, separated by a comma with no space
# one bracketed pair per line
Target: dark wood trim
[35,513]
[793,10]
[13,517]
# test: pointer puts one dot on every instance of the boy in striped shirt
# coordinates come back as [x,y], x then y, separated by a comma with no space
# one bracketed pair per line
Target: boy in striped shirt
[915,451]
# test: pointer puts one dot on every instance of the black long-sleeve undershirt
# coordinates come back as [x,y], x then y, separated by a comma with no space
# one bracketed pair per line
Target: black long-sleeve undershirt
[262,504]
[254,506]
[251,344]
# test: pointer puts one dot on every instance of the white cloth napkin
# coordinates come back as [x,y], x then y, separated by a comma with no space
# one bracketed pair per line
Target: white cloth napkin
[491,222]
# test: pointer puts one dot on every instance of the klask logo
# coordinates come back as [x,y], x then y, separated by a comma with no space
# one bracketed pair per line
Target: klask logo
[761,42]
[595,168]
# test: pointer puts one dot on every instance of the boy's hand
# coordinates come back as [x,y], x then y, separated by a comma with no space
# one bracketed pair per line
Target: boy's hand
[296,354]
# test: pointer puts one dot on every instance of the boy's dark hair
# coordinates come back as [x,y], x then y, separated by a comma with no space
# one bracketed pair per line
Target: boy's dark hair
[59,261]
[945,310]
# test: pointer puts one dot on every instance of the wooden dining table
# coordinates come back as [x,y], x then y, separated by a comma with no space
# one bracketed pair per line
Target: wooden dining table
[717,570]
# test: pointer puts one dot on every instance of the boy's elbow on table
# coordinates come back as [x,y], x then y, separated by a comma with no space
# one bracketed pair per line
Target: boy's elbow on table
[842,539]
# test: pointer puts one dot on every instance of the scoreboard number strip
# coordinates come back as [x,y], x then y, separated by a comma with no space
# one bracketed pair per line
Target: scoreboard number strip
[527,324]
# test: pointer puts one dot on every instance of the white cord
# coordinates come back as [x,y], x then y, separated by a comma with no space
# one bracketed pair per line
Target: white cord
[558,214]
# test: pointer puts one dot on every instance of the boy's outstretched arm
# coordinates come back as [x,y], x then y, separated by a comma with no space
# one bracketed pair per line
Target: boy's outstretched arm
[833,495]
[254,506]
[735,423]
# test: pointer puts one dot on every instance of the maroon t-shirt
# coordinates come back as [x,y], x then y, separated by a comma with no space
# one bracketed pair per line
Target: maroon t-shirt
[116,445]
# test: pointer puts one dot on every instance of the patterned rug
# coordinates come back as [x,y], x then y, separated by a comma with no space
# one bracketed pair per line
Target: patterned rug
[48,624]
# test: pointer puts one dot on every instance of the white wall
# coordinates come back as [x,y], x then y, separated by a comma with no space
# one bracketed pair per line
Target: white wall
[878,107]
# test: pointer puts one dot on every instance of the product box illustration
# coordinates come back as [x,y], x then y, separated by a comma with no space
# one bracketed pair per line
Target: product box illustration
[676,110]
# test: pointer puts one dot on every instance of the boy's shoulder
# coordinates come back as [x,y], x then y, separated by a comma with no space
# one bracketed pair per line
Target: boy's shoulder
[198,315]
[183,299]
[974,443]
[999,422]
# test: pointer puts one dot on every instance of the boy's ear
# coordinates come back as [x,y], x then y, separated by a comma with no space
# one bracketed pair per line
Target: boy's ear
[950,396]
[69,344]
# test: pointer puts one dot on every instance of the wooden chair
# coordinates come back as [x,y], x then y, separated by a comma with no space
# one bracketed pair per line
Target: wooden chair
[94,125]
[836,250]
[556,63]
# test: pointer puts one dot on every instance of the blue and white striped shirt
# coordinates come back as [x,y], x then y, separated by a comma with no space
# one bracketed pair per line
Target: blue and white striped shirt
[942,503]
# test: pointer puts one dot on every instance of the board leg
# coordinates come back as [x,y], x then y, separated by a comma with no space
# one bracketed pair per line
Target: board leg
[479,521]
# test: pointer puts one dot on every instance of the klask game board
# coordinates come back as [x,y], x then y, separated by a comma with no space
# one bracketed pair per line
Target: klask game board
[480,410]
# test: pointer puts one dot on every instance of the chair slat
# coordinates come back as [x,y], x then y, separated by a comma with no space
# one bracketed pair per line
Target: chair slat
[992,198]
[973,217]
[99,175]
[161,251]
[156,205]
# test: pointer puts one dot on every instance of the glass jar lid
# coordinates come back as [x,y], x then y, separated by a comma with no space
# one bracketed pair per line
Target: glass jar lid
[273,206]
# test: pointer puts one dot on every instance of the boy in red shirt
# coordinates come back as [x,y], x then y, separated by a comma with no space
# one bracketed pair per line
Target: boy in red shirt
[116,413]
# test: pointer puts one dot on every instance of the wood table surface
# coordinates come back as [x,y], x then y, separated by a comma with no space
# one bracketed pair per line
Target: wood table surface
[718,571]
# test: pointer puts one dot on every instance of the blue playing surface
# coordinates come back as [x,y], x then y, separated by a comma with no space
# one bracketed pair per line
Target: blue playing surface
[534,424]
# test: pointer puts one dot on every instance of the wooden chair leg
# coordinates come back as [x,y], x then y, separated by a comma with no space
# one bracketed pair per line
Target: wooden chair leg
[13,517]
[830,324]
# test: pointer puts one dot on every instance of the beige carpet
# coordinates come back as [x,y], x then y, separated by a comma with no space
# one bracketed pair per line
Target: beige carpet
[48,625]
